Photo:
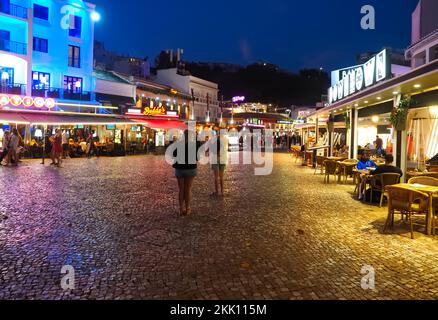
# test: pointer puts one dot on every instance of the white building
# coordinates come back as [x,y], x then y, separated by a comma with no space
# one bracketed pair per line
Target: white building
[46,48]
[424,47]
[206,105]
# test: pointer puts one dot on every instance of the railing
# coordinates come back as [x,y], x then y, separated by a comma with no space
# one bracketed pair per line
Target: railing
[57,93]
[18,89]
[13,46]
[16,11]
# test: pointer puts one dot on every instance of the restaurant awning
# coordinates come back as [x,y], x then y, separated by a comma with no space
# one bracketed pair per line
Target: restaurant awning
[6,117]
[63,119]
[162,124]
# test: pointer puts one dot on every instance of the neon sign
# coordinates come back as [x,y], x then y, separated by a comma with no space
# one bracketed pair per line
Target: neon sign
[355,79]
[238,99]
[153,110]
[27,102]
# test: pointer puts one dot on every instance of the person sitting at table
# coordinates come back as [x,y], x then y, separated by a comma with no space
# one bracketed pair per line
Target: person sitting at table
[365,162]
[388,167]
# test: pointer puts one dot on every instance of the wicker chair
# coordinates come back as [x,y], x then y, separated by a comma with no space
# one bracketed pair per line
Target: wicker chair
[346,169]
[427,181]
[379,183]
[320,164]
[331,168]
[406,203]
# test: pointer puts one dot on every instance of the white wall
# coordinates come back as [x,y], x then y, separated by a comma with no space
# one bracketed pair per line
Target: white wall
[115,88]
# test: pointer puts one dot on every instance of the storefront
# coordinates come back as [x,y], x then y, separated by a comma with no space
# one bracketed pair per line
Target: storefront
[36,119]
[377,112]
[158,123]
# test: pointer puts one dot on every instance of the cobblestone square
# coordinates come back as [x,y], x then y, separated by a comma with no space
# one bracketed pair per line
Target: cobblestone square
[283,236]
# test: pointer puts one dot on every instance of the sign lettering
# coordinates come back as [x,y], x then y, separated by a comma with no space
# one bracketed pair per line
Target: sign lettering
[354,79]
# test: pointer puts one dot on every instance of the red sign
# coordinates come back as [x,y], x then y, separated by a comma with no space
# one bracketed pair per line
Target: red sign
[26,102]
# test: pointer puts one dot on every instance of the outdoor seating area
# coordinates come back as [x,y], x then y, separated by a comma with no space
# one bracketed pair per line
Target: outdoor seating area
[415,202]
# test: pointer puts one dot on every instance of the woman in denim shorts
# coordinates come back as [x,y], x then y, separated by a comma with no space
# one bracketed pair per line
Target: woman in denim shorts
[185,173]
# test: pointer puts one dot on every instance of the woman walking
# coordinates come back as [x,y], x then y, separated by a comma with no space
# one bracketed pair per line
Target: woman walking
[220,150]
[185,171]
[57,148]
[13,147]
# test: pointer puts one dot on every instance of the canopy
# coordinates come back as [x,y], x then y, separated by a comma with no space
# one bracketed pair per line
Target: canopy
[62,119]
[162,124]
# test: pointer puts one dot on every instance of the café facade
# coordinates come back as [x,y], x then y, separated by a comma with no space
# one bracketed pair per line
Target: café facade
[374,100]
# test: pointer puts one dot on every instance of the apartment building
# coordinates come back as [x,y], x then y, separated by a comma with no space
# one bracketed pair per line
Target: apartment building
[46,49]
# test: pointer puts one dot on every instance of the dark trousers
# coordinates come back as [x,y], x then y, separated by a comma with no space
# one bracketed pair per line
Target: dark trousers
[4,154]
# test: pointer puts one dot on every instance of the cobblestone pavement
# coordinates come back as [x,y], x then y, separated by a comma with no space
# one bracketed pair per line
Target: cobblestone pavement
[283,236]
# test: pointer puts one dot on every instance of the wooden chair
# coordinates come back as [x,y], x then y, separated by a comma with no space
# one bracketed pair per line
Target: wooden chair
[380,182]
[427,181]
[346,169]
[331,168]
[320,164]
[406,203]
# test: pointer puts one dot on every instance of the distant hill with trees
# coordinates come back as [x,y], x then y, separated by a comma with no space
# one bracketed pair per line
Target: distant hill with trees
[258,82]
[266,83]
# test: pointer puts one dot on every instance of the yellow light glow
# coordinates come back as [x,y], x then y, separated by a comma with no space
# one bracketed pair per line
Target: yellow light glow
[375,119]
[434,111]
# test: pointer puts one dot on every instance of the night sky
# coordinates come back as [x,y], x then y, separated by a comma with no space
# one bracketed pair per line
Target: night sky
[293,34]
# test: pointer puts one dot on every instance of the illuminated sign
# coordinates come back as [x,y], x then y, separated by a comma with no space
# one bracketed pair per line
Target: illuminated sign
[173,91]
[27,102]
[238,99]
[284,122]
[153,110]
[354,79]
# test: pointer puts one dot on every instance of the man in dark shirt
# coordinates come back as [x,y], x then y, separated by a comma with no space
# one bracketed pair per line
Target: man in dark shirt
[388,167]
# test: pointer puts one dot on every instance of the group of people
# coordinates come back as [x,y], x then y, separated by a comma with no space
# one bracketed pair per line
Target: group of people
[186,170]
[12,148]
[62,146]
[365,163]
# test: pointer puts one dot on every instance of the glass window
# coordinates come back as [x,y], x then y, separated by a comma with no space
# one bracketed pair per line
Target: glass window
[6,75]
[40,12]
[40,80]
[75,26]
[74,56]
[73,84]
[40,45]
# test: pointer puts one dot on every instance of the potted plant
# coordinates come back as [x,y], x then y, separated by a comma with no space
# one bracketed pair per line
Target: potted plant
[399,114]
[331,123]
[347,120]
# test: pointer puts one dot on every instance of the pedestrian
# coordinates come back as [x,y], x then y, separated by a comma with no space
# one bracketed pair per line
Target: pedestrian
[14,143]
[91,146]
[57,148]
[219,163]
[65,144]
[5,143]
[186,170]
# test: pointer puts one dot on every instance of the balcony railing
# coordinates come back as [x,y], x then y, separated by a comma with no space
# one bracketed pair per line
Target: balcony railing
[18,89]
[16,11]
[13,46]
[57,93]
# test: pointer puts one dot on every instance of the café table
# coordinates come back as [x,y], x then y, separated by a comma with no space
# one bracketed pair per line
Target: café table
[343,168]
[359,174]
[432,191]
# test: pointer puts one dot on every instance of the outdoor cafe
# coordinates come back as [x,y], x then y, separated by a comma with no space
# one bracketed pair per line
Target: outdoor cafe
[395,119]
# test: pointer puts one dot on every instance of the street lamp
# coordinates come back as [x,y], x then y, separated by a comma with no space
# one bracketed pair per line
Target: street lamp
[95,16]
